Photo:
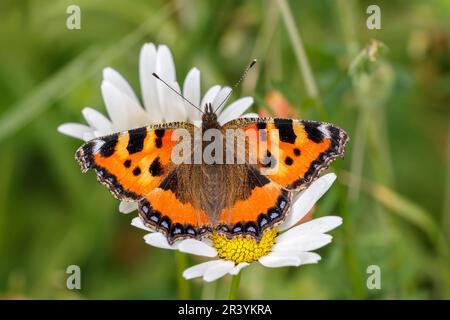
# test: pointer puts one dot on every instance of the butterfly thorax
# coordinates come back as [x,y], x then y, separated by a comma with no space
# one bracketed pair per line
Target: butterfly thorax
[209,119]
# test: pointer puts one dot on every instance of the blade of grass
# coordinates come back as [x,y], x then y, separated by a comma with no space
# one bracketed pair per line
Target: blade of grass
[262,45]
[403,208]
[446,196]
[300,54]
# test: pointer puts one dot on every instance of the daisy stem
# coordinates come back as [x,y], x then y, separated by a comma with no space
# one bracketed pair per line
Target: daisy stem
[234,288]
[183,285]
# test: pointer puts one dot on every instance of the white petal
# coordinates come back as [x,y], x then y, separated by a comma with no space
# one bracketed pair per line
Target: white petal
[115,106]
[309,257]
[136,114]
[306,200]
[197,247]
[209,96]
[303,242]
[165,68]
[119,82]
[273,260]
[200,269]
[191,91]
[127,207]
[147,65]
[235,110]
[250,115]
[175,109]
[159,240]
[238,268]
[75,130]
[207,241]
[319,225]
[89,136]
[219,100]
[137,222]
[124,111]
[97,121]
[218,271]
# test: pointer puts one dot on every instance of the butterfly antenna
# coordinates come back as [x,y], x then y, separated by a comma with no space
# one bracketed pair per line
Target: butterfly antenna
[171,88]
[250,65]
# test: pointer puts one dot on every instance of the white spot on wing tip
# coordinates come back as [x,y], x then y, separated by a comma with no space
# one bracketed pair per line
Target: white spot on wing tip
[97,145]
[324,129]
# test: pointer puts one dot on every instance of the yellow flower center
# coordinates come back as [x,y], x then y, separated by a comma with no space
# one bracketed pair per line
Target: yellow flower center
[241,249]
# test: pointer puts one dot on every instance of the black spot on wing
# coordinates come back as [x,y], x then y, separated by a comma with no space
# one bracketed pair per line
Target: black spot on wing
[136,140]
[109,147]
[156,168]
[285,130]
[297,152]
[170,182]
[261,125]
[127,163]
[160,132]
[255,179]
[136,171]
[288,160]
[313,132]
[158,142]
[269,160]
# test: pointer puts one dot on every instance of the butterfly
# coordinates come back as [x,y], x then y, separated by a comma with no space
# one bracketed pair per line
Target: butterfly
[196,200]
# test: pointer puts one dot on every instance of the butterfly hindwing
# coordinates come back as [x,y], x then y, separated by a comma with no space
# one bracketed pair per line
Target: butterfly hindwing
[175,215]
[264,207]
[305,148]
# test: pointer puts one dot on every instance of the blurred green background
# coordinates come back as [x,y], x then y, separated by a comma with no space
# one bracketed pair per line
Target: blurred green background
[391,95]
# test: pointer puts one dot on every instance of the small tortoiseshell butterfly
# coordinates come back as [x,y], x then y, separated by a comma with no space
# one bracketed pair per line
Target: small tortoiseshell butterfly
[193,200]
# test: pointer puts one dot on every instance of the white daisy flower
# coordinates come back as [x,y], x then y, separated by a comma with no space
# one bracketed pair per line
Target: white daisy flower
[160,103]
[288,244]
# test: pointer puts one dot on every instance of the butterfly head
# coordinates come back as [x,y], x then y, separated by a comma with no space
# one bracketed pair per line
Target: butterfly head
[209,118]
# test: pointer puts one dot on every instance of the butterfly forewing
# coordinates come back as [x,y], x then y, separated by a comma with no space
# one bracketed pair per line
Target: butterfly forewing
[302,150]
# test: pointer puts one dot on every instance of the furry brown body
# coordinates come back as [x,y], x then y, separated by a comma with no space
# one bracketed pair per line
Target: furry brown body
[212,187]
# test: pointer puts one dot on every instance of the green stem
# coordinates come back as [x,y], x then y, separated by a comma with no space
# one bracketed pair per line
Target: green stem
[183,285]
[234,288]
[299,49]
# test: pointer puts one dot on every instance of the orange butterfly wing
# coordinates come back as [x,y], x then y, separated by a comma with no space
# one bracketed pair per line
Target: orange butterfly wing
[265,207]
[131,163]
[305,148]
